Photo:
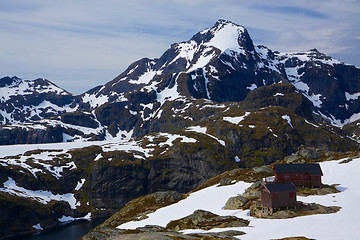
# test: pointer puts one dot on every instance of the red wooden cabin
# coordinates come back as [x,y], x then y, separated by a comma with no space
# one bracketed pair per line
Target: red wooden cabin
[299,174]
[278,195]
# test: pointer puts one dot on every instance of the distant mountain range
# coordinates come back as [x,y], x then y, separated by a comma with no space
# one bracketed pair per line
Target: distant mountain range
[210,104]
[220,64]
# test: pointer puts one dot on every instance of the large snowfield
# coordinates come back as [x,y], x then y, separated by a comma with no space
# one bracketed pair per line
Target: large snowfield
[341,225]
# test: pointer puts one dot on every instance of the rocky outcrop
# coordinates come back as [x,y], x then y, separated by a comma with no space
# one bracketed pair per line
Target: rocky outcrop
[303,209]
[206,220]
[323,190]
[159,233]
[304,152]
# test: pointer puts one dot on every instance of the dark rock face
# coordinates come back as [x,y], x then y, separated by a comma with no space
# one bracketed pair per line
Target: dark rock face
[111,187]
[30,135]
[114,186]
[20,215]
[79,119]
[287,97]
[116,116]
[334,83]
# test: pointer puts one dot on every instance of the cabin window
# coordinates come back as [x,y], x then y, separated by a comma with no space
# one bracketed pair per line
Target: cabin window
[276,195]
[291,195]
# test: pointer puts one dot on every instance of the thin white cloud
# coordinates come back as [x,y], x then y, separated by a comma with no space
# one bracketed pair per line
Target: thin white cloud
[91,41]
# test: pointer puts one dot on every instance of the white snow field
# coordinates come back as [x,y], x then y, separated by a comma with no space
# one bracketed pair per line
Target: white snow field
[341,225]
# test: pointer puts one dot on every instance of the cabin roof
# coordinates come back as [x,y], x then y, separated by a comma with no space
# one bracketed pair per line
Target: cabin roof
[280,187]
[313,168]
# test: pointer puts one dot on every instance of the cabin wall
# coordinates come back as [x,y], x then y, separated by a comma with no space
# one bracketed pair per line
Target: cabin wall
[278,200]
[283,199]
[300,179]
[266,198]
[316,181]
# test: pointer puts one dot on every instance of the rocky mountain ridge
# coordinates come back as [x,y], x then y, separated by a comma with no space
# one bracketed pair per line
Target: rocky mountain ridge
[220,64]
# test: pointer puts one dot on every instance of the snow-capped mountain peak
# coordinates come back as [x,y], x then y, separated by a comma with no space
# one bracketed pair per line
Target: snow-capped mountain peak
[29,100]
[219,63]
[222,64]
[224,35]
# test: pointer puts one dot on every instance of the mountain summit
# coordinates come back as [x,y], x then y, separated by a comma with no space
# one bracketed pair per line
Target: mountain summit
[225,35]
[222,64]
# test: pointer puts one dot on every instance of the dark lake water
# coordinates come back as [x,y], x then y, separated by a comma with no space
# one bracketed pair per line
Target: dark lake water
[72,231]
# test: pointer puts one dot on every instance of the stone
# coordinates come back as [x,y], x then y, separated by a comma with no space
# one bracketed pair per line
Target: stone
[232,233]
[234,203]
[292,158]
[283,214]
[263,169]
[226,181]
[251,195]
[346,161]
[255,185]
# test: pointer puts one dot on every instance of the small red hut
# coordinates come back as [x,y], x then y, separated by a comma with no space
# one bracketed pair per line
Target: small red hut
[299,174]
[278,195]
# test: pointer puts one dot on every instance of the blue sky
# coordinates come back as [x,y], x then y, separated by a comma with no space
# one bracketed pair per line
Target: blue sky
[81,44]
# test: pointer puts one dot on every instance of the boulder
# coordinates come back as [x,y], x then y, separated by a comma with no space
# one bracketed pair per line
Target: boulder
[226,181]
[346,160]
[255,185]
[252,194]
[234,203]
